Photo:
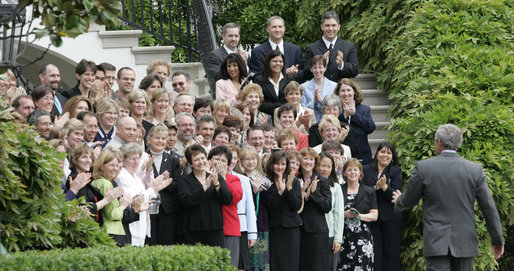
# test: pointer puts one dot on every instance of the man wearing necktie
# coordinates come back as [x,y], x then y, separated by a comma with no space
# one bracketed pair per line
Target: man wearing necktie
[341,55]
[51,77]
[292,53]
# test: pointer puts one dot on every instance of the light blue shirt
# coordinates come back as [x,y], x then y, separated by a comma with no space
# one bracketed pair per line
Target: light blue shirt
[308,95]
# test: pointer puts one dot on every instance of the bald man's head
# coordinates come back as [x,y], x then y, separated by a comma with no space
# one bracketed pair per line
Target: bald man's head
[126,129]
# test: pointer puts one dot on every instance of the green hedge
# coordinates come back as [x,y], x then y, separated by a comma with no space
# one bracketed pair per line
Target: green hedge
[453,63]
[125,258]
[34,212]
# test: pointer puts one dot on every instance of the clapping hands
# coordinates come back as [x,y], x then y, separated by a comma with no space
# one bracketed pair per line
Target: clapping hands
[161,182]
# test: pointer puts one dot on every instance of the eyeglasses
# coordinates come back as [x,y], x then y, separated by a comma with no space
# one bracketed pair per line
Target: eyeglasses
[186,125]
[250,159]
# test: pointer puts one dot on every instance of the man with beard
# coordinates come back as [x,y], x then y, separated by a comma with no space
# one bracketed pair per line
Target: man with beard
[51,77]
[186,130]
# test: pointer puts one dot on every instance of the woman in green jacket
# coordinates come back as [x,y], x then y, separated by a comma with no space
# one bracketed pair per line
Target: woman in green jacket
[116,215]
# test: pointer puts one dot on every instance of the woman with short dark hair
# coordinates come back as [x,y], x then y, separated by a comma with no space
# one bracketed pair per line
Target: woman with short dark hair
[201,195]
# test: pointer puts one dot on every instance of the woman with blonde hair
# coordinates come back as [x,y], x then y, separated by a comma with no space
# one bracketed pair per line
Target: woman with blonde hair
[250,166]
[78,183]
[108,115]
[139,107]
[304,117]
[252,95]
[161,106]
[221,110]
[105,170]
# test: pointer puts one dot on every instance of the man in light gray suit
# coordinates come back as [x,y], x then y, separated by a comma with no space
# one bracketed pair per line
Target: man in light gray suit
[449,185]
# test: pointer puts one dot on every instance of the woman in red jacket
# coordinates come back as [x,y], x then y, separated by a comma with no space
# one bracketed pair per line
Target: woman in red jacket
[220,157]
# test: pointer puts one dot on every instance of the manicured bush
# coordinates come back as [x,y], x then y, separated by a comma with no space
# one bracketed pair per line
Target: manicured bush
[126,258]
[34,213]
[453,63]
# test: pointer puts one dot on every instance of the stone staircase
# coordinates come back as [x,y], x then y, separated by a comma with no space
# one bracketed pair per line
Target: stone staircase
[379,104]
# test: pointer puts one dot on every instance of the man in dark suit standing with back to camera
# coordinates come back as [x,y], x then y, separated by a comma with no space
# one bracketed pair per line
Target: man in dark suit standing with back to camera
[340,55]
[292,53]
[449,185]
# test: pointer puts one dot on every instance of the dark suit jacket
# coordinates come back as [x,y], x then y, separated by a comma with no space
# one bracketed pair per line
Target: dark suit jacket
[366,198]
[292,54]
[283,209]
[271,101]
[333,73]
[201,210]
[361,124]
[62,100]
[316,206]
[394,182]
[169,202]
[449,185]
[71,92]
[212,64]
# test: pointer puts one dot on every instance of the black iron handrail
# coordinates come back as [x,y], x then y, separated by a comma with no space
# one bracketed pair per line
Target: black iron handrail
[171,22]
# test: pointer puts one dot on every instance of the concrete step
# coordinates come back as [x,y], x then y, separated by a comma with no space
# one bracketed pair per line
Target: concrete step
[379,112]
[374,97]
[202,87]
[145,55]
[380,130]
[120,38]
[195,69]
[366,81]
[373,143]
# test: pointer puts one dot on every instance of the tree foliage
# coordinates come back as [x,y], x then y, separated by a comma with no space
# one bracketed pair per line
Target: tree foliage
[34,213]
[64,18]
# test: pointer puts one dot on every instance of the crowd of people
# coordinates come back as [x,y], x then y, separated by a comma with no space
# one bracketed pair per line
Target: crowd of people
[273,165]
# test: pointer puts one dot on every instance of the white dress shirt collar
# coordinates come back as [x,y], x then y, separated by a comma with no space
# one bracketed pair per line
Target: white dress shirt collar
[280,46]
[327,43]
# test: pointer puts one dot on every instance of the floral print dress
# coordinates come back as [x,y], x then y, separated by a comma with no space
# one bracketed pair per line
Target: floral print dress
[357,248]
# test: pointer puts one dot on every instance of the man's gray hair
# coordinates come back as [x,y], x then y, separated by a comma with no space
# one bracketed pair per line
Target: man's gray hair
[276,18]
[332,100]
[450,136]
[33,118]
[205,118]
[181,114]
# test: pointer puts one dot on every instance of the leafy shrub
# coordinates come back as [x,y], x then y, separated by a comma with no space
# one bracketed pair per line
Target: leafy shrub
[34,211]
[453,63]
[125,258]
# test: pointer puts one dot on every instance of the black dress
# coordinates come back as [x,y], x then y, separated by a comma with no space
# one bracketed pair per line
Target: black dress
[357,248]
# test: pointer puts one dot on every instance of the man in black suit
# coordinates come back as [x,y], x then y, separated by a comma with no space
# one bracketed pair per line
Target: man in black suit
[449,185]
[51,77]
[340,54]
[212,63]
[293,54]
